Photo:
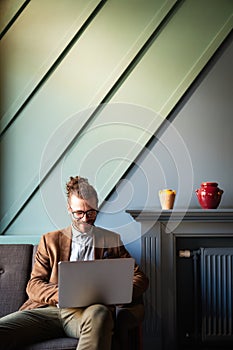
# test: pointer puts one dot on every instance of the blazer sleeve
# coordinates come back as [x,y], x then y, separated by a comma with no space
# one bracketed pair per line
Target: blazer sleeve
[43,285]
[140,280]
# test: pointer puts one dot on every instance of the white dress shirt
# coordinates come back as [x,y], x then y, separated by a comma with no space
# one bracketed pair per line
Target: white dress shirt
[82,245]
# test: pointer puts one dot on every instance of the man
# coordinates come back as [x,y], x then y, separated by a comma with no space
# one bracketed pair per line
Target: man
[39,318]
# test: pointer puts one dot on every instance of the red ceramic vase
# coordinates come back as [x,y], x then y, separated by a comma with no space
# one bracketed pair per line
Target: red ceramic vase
[209,195]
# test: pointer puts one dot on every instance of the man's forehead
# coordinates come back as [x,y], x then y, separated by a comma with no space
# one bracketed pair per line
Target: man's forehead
[89,201]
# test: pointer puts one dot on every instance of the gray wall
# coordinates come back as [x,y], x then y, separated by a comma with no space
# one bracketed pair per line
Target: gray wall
[84,90]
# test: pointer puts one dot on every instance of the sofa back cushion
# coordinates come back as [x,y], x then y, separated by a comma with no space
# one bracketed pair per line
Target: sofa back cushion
[15,269]
[34,253]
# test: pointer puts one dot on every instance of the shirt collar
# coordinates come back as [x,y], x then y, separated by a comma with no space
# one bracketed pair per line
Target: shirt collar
[76,233]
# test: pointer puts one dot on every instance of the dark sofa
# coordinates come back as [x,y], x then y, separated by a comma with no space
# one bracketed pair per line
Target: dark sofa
[15,267]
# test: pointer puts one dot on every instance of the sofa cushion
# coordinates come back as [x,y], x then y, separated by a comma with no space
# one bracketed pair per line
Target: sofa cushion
[15,268]
[55,344]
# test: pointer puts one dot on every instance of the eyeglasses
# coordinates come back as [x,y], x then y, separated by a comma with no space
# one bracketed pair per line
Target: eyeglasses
[79,214]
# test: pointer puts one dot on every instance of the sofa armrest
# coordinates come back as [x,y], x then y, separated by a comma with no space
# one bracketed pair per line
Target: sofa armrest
[128,329]
[15,269]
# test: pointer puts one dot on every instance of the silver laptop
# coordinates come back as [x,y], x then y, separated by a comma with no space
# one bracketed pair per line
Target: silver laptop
[107,281]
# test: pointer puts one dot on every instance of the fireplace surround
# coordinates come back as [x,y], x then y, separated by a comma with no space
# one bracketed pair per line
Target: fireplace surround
[181,312]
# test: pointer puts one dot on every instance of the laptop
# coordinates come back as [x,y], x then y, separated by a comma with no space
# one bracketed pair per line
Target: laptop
[83,283]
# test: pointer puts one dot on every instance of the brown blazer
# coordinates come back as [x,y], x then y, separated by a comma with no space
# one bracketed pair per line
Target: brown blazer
[42,288]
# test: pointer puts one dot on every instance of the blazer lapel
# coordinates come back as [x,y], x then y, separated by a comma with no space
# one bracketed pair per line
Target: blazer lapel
[98,244]
[65,244]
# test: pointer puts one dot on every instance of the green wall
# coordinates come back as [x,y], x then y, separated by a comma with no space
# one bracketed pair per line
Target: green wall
[76,78]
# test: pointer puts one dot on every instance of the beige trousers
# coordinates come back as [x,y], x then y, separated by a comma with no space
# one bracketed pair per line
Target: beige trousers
[92,325]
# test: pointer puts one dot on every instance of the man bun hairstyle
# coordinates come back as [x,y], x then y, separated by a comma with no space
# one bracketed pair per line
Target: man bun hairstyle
[80,187]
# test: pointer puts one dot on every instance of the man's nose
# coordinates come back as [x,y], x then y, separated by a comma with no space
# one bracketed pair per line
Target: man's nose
[85,217]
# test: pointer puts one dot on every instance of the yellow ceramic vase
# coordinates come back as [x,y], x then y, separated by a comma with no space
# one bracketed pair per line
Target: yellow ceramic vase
[167,198]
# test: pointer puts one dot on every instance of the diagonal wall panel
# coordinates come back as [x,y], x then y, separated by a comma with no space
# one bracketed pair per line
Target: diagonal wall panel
[8,11]
[33,44]
[157,82]
[83,78]
[104,58]
[177,56]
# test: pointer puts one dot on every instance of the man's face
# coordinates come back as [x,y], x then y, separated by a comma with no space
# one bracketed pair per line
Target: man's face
[77,204]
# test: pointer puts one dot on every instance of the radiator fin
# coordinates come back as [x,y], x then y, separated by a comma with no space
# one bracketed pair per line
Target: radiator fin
[217,293]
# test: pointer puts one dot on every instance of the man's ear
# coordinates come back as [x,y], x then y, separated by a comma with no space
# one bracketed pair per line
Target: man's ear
[68,208]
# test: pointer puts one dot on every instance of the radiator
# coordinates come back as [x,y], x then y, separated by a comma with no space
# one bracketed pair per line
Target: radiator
[216,266]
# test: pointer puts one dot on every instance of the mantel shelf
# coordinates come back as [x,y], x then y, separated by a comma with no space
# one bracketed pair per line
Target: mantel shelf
[197,215]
